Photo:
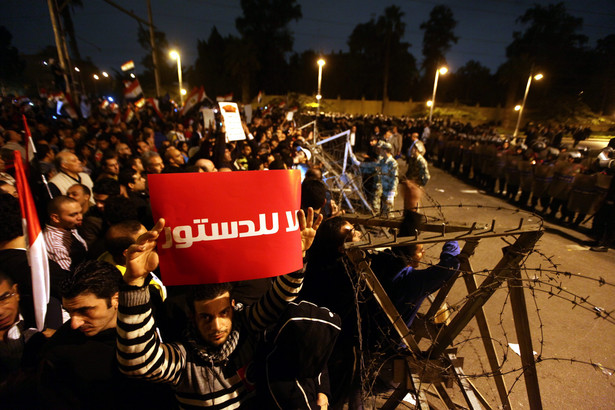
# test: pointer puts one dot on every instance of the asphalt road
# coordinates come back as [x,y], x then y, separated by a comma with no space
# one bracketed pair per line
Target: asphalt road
[570,284]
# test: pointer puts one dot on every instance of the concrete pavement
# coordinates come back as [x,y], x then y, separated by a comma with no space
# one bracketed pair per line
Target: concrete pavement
[568,289]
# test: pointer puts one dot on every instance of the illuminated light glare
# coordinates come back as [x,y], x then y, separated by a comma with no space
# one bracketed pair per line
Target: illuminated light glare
[517,107]
[45,63]
[318,96]
[110,99]
[96,77]
[174,54]
[321,62]
[77,69]
[443,70]
[31,103]
[429,103]
[538,77]
[132,75]
[184,92]
[104,73]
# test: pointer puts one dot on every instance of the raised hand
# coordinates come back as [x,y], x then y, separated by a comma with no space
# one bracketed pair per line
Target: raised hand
[141,257]
[308,226]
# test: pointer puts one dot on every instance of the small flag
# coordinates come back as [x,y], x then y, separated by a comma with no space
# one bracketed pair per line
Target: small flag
[140,103]
[196,96]
[128,114]
[36,250]
[132,90]
[154,103]
[128,65]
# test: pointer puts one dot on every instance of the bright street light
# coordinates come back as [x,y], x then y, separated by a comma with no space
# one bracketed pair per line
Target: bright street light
[77,69]
[132,75]
[321,63]
[442,71]
[104,73]
[175,56]
[184,92]
[429,103]
[96,77]
[536,77]
[517,107]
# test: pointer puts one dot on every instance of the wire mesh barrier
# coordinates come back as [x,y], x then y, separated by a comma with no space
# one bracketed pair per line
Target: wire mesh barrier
[426,359]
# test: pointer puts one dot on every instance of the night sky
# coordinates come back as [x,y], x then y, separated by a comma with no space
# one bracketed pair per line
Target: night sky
[109,37]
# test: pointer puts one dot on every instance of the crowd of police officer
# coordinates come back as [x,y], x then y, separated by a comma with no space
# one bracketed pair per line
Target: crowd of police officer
[566,184]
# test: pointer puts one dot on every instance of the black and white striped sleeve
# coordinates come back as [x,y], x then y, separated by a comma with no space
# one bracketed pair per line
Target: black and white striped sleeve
[268,309]
[139,350]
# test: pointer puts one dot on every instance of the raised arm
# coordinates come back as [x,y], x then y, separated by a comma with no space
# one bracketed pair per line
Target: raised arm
[139,350]
[285,288]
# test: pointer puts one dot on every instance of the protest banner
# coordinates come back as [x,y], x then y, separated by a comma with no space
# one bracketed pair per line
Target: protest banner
[230,226]
[232,121]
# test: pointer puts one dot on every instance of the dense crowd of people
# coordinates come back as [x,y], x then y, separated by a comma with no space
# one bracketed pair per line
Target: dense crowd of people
[113,328]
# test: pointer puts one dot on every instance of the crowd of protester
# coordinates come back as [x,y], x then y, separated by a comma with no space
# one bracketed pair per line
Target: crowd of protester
[89,179]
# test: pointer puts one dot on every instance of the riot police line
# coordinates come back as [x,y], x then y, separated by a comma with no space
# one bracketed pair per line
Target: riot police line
[564,184]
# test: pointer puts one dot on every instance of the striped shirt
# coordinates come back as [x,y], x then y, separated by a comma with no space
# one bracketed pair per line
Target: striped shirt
[58,242]
[197,384]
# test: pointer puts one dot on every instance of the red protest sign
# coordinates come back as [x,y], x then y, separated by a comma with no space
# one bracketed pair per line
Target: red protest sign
[227,226]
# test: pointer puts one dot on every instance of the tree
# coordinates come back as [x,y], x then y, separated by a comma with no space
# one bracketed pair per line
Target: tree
[605,53]
[438,38]
[264,24]
[241,59]
[550,44]
[167,72]
[11,66]
[373,46]
[392,28]
[474,84]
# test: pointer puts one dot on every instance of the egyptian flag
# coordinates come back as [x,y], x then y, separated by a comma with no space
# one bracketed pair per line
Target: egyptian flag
[30,148]
[154,103]
[196,96]
[128,114]
[37,252]
[132,90]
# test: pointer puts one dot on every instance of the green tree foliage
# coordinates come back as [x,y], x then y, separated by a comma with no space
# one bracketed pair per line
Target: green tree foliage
[550,44]
[604,61]
[378,57]
[11,66]
[473,84]
[264,24]
[438,38]
[225,65]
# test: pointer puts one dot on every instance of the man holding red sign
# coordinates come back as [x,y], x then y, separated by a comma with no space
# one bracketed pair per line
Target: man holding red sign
[209,367]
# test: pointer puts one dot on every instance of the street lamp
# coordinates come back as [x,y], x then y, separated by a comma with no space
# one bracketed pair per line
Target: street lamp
[441,70]
[80,80]
[536,77]
[96,78]
[104,73]
[175,56]
[321,62]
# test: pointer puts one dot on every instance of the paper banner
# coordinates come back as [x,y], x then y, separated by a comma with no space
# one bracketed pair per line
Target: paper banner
[232,121]
[228,226]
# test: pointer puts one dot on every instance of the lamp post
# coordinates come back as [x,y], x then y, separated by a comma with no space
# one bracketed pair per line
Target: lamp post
[441,70]
[78,71]
[175,56]
[536,77]
[96,78]
[321,62]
